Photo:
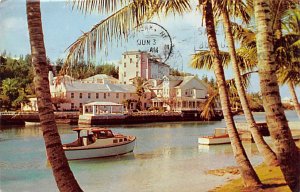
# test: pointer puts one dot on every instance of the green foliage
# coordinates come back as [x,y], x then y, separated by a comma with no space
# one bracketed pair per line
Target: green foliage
[176,72]
[16,80]
[82,70]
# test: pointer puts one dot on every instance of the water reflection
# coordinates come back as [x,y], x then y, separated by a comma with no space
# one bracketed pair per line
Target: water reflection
[167,157]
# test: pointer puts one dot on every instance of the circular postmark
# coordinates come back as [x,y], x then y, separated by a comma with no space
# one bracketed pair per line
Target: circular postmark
[154,39]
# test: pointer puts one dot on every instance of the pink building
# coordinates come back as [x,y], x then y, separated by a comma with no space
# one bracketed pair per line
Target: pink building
[141,64]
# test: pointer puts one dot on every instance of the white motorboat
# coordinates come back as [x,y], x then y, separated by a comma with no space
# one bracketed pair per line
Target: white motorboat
[98,142]
[220,137]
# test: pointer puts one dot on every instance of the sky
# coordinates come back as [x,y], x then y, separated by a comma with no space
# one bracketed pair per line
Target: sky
[62,25]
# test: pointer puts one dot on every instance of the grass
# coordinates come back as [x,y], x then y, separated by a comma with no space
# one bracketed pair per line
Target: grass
[271,177]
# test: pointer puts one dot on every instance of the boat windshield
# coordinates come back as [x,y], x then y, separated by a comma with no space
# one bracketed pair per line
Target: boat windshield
[103,133]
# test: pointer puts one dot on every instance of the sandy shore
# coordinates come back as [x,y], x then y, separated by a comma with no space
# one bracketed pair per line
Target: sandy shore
[231,176]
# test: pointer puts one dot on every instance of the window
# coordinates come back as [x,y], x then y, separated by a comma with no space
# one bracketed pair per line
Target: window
[124,64]
[80,105]
[124,56]
[125,139]
[120,140]
[124,74]
[72,95]
[137,73]
[80,95]
[72,105]
[130,60]
[97,95]
[136,56]
[137,64]
[117,95]
[89,95]
[115,141]
[104,96]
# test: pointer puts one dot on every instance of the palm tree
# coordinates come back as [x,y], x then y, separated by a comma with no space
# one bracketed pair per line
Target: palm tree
[288,54]
[286,149]
[63,175]
[269,156]
[245,167]
[127,18]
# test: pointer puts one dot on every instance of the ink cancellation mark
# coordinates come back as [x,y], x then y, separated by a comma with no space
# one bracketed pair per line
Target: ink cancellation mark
[154,39]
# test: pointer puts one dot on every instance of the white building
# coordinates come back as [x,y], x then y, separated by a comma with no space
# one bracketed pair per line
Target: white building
[180,93]
[141,64]
[96,88]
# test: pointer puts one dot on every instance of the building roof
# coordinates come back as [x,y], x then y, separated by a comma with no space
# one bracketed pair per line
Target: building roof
[78,86]
[187,79]
[99,76]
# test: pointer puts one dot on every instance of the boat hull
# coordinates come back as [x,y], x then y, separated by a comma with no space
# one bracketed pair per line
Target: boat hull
[213,141]
[106,151]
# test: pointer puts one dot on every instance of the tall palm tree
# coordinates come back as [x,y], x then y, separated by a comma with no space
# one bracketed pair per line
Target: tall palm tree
[269,156]
[286,150]
[289,54]
[127,18]
[63,175]
[245,167]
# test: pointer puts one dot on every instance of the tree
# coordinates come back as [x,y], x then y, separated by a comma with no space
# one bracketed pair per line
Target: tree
[286,149]
[10,88]
[63,175]
[128,19]
[269,156]
[288,54]
[248,174]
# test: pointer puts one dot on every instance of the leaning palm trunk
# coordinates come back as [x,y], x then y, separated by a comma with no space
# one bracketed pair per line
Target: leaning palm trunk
[285,147]
[247,172]
[294,98]
[269,156]
[60,167]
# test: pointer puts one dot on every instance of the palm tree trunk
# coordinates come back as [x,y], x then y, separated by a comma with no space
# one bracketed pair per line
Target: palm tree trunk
[285,147]
[269,156]
[247,172]
[294,98]
[63,175]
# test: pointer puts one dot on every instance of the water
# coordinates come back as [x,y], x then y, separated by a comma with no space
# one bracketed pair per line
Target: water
[166,158]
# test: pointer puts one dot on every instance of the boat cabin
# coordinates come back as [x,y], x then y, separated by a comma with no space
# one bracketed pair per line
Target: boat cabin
[99,133]
[96,135]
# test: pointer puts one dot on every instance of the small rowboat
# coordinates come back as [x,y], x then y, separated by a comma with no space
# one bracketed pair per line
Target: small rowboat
[220,137]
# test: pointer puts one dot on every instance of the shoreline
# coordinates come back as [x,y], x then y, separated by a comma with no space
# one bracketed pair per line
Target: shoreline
[271,177]
[73,118]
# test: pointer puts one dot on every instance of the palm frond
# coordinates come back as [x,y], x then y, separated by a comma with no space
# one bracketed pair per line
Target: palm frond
[204,60]
[245,35]
[291,20]
[208,108]
[175,6]
[236,8]
[101,6]
[245,81]
[247,57]
[118,25]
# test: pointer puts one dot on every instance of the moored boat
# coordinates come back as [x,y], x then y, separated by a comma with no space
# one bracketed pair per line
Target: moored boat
[98,142]
[220,137]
